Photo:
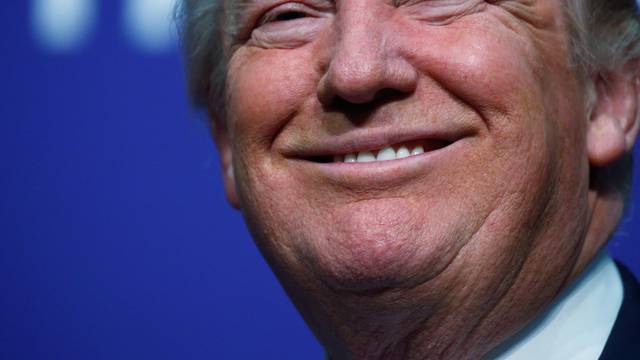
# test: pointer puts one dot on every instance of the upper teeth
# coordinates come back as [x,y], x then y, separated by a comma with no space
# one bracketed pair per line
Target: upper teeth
[385,154]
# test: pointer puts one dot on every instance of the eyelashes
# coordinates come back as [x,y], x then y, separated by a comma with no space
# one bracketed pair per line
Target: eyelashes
[285,12]
[286,16]
[294,23]
[290,25]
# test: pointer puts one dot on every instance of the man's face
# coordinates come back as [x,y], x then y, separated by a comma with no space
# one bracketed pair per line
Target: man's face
[498,199]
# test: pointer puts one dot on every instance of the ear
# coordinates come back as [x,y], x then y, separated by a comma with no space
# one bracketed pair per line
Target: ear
[614,121]
[221,138]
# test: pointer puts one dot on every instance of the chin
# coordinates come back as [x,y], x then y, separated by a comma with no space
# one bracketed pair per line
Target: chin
[378,245]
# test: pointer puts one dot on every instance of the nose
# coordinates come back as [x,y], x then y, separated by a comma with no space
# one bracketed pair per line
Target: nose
[365,61]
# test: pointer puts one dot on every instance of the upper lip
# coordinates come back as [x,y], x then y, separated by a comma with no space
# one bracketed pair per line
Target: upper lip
[368,140]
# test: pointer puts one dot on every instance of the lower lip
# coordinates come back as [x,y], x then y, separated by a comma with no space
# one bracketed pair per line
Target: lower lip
[381,172]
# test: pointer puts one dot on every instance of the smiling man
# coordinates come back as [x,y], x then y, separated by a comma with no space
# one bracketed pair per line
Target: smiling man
[431,179]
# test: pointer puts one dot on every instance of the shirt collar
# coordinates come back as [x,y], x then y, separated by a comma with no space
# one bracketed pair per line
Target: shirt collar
[578,323]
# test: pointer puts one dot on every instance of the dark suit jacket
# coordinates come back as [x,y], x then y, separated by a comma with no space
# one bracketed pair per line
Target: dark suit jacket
[624,340]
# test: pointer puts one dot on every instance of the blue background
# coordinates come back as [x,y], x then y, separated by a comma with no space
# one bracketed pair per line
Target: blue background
[116,241]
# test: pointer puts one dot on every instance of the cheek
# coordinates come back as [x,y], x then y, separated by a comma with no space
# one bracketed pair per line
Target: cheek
[483,65]
[265,89]
[502,77]
[513,88]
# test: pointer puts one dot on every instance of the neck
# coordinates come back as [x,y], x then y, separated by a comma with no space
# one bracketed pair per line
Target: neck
[433,321]
[442,320]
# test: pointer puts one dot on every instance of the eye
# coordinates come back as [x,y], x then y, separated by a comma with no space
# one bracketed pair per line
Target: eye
[286,12]
[291,24]
[289,15]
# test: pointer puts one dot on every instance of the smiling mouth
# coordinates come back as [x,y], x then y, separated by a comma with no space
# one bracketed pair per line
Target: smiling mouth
[388,153]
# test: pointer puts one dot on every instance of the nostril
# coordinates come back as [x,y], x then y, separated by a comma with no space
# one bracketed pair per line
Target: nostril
[348,89]
[364,77]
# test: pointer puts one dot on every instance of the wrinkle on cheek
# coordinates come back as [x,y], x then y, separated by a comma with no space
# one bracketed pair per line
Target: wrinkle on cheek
[542,26]
[543,21]
[487,70]
[531,12]
[266,89]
